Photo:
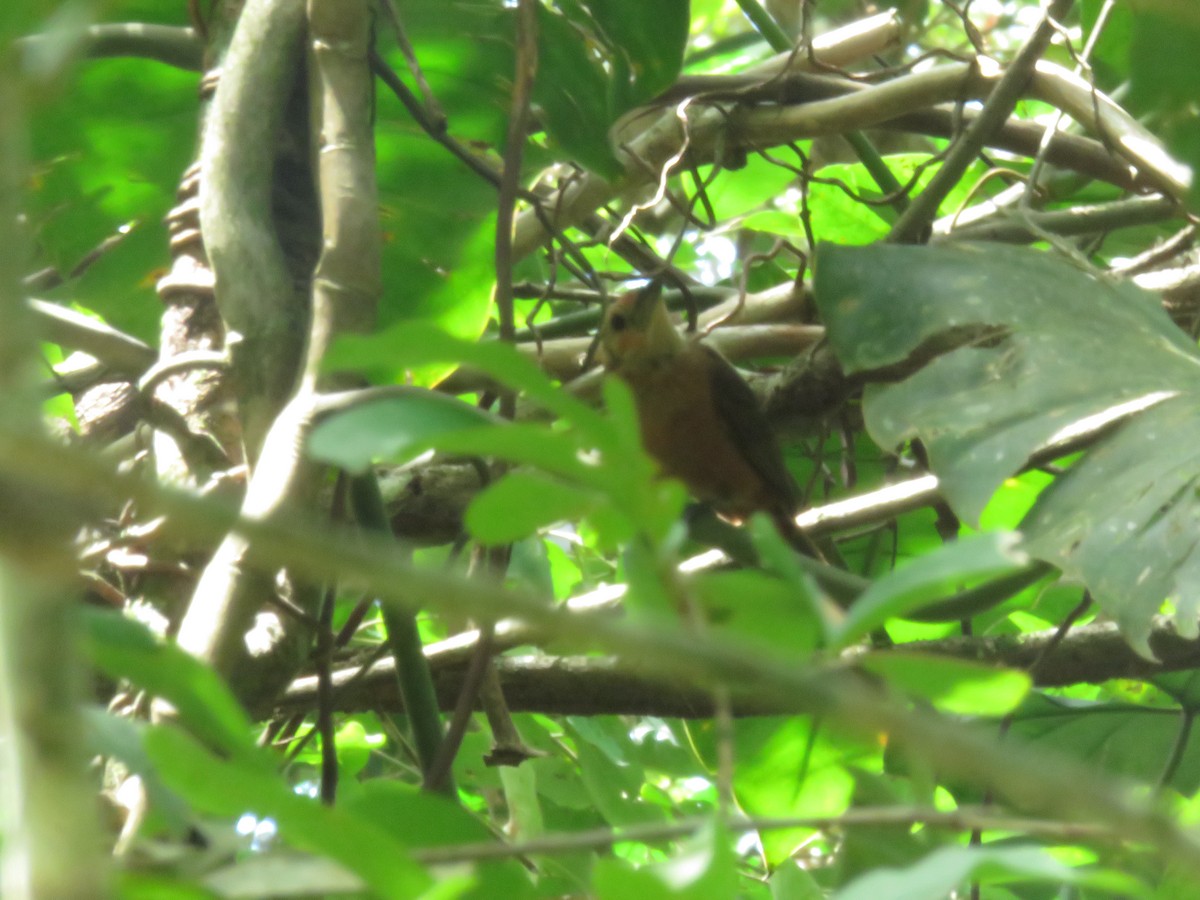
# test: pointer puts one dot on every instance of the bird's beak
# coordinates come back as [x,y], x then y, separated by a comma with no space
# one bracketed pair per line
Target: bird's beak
[647,300]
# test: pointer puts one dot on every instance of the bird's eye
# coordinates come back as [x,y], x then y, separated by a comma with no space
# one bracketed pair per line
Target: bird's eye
[617,322]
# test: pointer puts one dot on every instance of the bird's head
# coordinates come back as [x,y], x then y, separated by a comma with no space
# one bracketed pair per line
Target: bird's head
[637,331]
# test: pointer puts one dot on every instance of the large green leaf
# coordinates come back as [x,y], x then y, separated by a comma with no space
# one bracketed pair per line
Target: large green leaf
[115,737]
[762,609]
[1122,739]
[702,867]
[414,817]
[1039,345]
[1163,69]
[571,90]
[599,59]
[649,38]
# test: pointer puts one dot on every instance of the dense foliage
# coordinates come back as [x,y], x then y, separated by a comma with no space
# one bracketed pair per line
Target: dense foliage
[306,463]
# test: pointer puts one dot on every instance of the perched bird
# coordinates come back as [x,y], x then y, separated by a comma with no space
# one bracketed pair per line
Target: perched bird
[699,420]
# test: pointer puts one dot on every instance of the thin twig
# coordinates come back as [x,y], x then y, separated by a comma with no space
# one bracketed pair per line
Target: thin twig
[325,727]
[996,110]
[464,707]
[877,817]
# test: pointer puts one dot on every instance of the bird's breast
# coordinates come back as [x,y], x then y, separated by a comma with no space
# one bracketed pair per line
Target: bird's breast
[684,431]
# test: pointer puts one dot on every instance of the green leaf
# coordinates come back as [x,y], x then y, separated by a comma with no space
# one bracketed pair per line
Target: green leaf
[615,788]
[1111,51]
[649,37]
[703,867]
[414,817]
[948,869]
[784,767]
[528,444]
[460,299]
[115,737]
[954,686]
[395,428]
[866,846]
[1019,368]
[1164,79]
[1163,73]
[280,874]
[438,219]
[573,92]
[399,349]
[524,805]
[1123,520]
[648,597]
[135,885]
[615,879]
[228,788]
[1119,739]
[108,154]
[929,578]
[1183,687]
[763,609]
[839,216]
[520,503]
[738,192]
[1028,367]
[790,882]
[598,60]
[836,201]
[566,572]
[780,558]
[529,565]
[123,648]
[354,747]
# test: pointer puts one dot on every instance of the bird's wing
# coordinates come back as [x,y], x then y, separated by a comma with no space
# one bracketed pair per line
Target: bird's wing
[747,427]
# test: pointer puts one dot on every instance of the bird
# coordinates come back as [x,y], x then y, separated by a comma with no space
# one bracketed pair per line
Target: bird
[699,419]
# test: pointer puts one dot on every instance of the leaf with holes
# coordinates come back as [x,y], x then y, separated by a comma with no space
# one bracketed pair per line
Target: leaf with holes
[1005,350]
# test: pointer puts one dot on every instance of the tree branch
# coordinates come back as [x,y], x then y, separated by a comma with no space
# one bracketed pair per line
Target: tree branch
[172,45]
[591,686]
[1001,102]
[888,104]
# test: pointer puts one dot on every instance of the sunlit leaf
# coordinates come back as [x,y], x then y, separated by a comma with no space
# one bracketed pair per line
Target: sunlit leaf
[787,767]
[522,502]
[955,686]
